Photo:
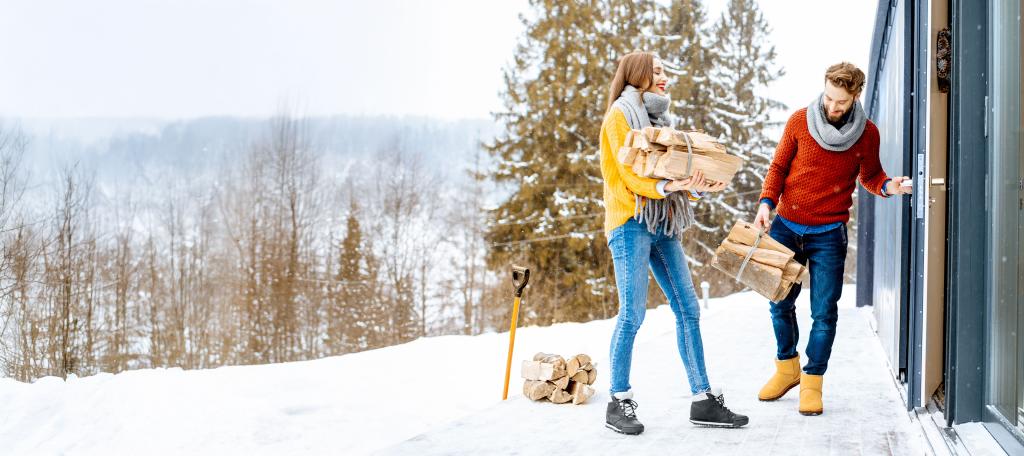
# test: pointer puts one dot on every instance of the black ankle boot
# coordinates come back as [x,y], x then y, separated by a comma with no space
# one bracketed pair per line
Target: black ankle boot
[621,417]
[711,411]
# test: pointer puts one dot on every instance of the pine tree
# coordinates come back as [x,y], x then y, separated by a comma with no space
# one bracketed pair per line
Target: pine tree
[688,57]
[353,311]
[555,98]
[743,64]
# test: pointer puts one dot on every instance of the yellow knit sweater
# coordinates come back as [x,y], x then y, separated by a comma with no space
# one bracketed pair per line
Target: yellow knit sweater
[621,184]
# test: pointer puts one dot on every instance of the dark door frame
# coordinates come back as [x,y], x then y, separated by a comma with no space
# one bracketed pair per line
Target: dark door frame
[966,299]
[919,60]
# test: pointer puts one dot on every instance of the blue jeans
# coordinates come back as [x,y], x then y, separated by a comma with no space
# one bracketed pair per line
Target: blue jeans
[634,249]
[825,255]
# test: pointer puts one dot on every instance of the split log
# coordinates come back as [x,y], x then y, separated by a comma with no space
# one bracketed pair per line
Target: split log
[537,370]
[573,365]
[652,162]
[531,370]
[537,390]
[765,280]
[705,150]
[581,377]
[627,155]
[678,164]
[773,268]
[646,151]
[659,147]
[580,392]
[794,272]
[550,358]
[541,356]
[639,141]
[562,382]
[744,233]
[771,258]
[782,292]
[651,133]
[558,369]
[562,388]
[578,362]
[638,163]
[559,396]
[699,140]
[670,137]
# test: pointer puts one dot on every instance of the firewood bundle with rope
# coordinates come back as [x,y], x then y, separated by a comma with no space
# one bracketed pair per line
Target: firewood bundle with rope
[553,378]
[756,260]
[667,153]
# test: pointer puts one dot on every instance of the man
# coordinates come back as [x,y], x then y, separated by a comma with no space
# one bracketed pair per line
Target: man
[824,149]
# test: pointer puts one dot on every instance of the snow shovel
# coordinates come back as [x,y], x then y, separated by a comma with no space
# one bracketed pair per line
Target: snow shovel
[520,277]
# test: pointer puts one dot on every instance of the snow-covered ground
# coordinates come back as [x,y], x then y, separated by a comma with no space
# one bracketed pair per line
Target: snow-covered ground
[442,395]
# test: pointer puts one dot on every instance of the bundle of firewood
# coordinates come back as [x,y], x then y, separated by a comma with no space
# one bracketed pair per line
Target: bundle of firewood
[672,154]
[553,378]
[759,262]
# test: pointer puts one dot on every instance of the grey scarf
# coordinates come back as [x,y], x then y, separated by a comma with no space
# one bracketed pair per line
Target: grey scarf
[673,214]
[828,136]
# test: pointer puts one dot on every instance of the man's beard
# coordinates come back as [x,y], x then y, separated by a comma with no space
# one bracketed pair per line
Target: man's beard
[838,117]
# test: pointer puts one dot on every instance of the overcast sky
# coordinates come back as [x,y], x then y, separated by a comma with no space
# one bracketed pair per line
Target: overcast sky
[442,58]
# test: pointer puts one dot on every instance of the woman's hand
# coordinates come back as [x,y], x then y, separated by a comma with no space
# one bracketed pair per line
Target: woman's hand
[710,186]
[697,179]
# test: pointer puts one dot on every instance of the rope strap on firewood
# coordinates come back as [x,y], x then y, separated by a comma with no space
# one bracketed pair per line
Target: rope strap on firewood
[750,254]
[689,155]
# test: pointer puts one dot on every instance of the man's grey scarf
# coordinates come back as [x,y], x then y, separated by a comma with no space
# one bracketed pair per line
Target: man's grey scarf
[827,135]
[673,214]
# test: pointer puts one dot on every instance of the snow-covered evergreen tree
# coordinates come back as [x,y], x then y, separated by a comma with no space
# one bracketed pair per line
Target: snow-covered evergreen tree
[555,98]
[731,67]
[684,44]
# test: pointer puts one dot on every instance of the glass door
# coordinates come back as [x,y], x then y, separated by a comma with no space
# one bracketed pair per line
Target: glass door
[1020,234]
[1004,391]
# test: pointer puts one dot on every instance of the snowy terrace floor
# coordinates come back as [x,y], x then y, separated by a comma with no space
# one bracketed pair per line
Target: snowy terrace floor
[863,413]
[441,395]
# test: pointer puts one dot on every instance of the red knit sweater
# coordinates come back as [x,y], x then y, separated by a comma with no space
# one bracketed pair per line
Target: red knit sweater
[811,185]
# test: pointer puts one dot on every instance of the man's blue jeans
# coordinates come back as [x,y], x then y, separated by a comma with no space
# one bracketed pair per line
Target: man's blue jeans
[634,249]
[825,255]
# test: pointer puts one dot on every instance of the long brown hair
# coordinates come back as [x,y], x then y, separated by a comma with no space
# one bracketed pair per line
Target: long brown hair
[635,69]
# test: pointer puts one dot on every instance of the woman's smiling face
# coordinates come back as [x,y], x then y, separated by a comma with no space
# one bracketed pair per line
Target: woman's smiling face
[660,79]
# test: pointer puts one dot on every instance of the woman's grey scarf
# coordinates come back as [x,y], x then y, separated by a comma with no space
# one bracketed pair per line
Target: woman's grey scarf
[673,214]
[828,136]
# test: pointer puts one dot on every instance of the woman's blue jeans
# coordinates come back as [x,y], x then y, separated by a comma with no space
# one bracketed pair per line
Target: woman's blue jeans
[825,255]
[634,250]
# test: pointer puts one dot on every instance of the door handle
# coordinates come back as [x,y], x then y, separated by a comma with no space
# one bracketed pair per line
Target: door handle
[936,182]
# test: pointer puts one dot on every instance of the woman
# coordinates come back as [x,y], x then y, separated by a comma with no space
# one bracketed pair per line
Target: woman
[644,223]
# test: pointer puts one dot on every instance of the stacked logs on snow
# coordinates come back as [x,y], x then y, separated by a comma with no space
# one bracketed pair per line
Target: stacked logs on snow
[672,154]
[756,260]
[553,378]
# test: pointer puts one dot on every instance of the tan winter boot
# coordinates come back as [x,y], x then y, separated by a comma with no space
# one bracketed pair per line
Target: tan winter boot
[810,395]
[787,375]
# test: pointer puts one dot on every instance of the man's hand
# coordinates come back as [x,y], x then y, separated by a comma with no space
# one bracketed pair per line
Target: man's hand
[896,187]
[761,220]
